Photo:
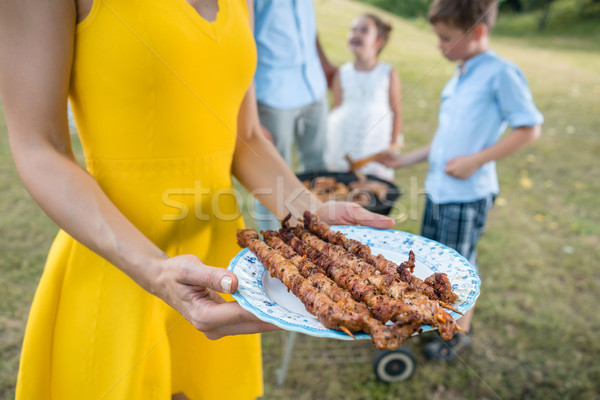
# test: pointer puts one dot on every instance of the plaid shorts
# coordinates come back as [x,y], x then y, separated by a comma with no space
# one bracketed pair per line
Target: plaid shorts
[457,225]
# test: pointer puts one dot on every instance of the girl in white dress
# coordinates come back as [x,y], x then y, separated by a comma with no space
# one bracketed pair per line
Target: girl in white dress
[366,116]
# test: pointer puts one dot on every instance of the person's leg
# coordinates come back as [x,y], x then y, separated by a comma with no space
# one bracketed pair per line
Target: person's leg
[473,229]
[458,226]
[281,125]
[431,219]
[311,136]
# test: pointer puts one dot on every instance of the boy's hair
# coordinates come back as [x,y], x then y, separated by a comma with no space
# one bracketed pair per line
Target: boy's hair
[464,14]
[383,29]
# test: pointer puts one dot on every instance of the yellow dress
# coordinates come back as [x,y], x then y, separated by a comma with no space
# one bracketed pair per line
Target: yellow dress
[155,91]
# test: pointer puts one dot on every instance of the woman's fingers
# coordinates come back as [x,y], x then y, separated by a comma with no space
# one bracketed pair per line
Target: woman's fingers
[347,213]
[241,329]
[195,273]
[217,320]
[362,215]
[192,288]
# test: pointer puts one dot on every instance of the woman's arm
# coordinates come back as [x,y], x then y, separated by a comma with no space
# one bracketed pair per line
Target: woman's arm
[34,83]
[36,52]
[260,168]
[396,106]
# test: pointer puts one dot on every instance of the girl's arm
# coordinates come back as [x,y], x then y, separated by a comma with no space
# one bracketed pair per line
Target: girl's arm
[36,53]
[396,107]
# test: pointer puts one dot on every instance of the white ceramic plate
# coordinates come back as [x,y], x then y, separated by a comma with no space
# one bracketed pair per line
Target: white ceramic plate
[269,299]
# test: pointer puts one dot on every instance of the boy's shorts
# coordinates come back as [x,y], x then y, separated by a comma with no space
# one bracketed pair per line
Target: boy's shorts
[457,225]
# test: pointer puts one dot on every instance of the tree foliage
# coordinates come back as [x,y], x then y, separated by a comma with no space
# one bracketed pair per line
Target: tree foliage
[405,8]
[543,8]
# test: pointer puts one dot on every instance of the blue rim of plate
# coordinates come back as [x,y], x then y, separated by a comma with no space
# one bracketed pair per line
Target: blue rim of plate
[252,296]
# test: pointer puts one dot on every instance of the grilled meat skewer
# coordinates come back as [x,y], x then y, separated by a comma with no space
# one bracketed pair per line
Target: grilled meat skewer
[330,314]
[394,335]
[382,306]
[317,275]
[317,303]
[431,312]
[436,287]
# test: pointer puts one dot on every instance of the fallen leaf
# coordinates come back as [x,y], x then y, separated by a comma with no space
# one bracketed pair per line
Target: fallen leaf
[569,249]
[525,181]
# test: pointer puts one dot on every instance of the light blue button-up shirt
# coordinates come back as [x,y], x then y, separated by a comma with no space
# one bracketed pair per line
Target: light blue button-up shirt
[289,73]
[484,96]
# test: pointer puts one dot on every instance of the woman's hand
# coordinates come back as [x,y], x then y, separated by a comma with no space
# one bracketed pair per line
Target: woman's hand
[347,213]
[192,288]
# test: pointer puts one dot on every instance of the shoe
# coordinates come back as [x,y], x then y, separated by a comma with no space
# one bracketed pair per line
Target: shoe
[440,349]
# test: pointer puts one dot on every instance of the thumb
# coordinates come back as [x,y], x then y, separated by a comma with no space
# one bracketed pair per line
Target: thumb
[196,273]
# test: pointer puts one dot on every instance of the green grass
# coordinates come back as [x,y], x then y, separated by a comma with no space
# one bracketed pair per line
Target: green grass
[536,320]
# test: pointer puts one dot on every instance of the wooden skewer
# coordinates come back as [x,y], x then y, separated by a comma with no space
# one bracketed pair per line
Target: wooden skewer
[364,161]
[356,171]
[449,307]
[347,332]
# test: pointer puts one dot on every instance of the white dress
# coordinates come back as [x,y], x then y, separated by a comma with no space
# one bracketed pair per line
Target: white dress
[362,124]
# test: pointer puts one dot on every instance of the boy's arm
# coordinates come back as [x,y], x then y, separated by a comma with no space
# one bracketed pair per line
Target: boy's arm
[394,160]
[517,107]
[396,106]
[464,166]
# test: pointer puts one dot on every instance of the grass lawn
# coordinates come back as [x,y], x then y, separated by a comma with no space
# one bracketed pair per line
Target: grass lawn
[535,323]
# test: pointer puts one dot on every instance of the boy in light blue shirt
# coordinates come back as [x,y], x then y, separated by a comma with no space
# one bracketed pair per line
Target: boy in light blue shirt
[485,95]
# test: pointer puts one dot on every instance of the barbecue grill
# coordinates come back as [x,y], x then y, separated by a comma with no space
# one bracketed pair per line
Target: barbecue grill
[375,204]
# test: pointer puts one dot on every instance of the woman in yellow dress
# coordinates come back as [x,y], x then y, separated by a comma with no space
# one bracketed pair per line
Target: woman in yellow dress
[128,304]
